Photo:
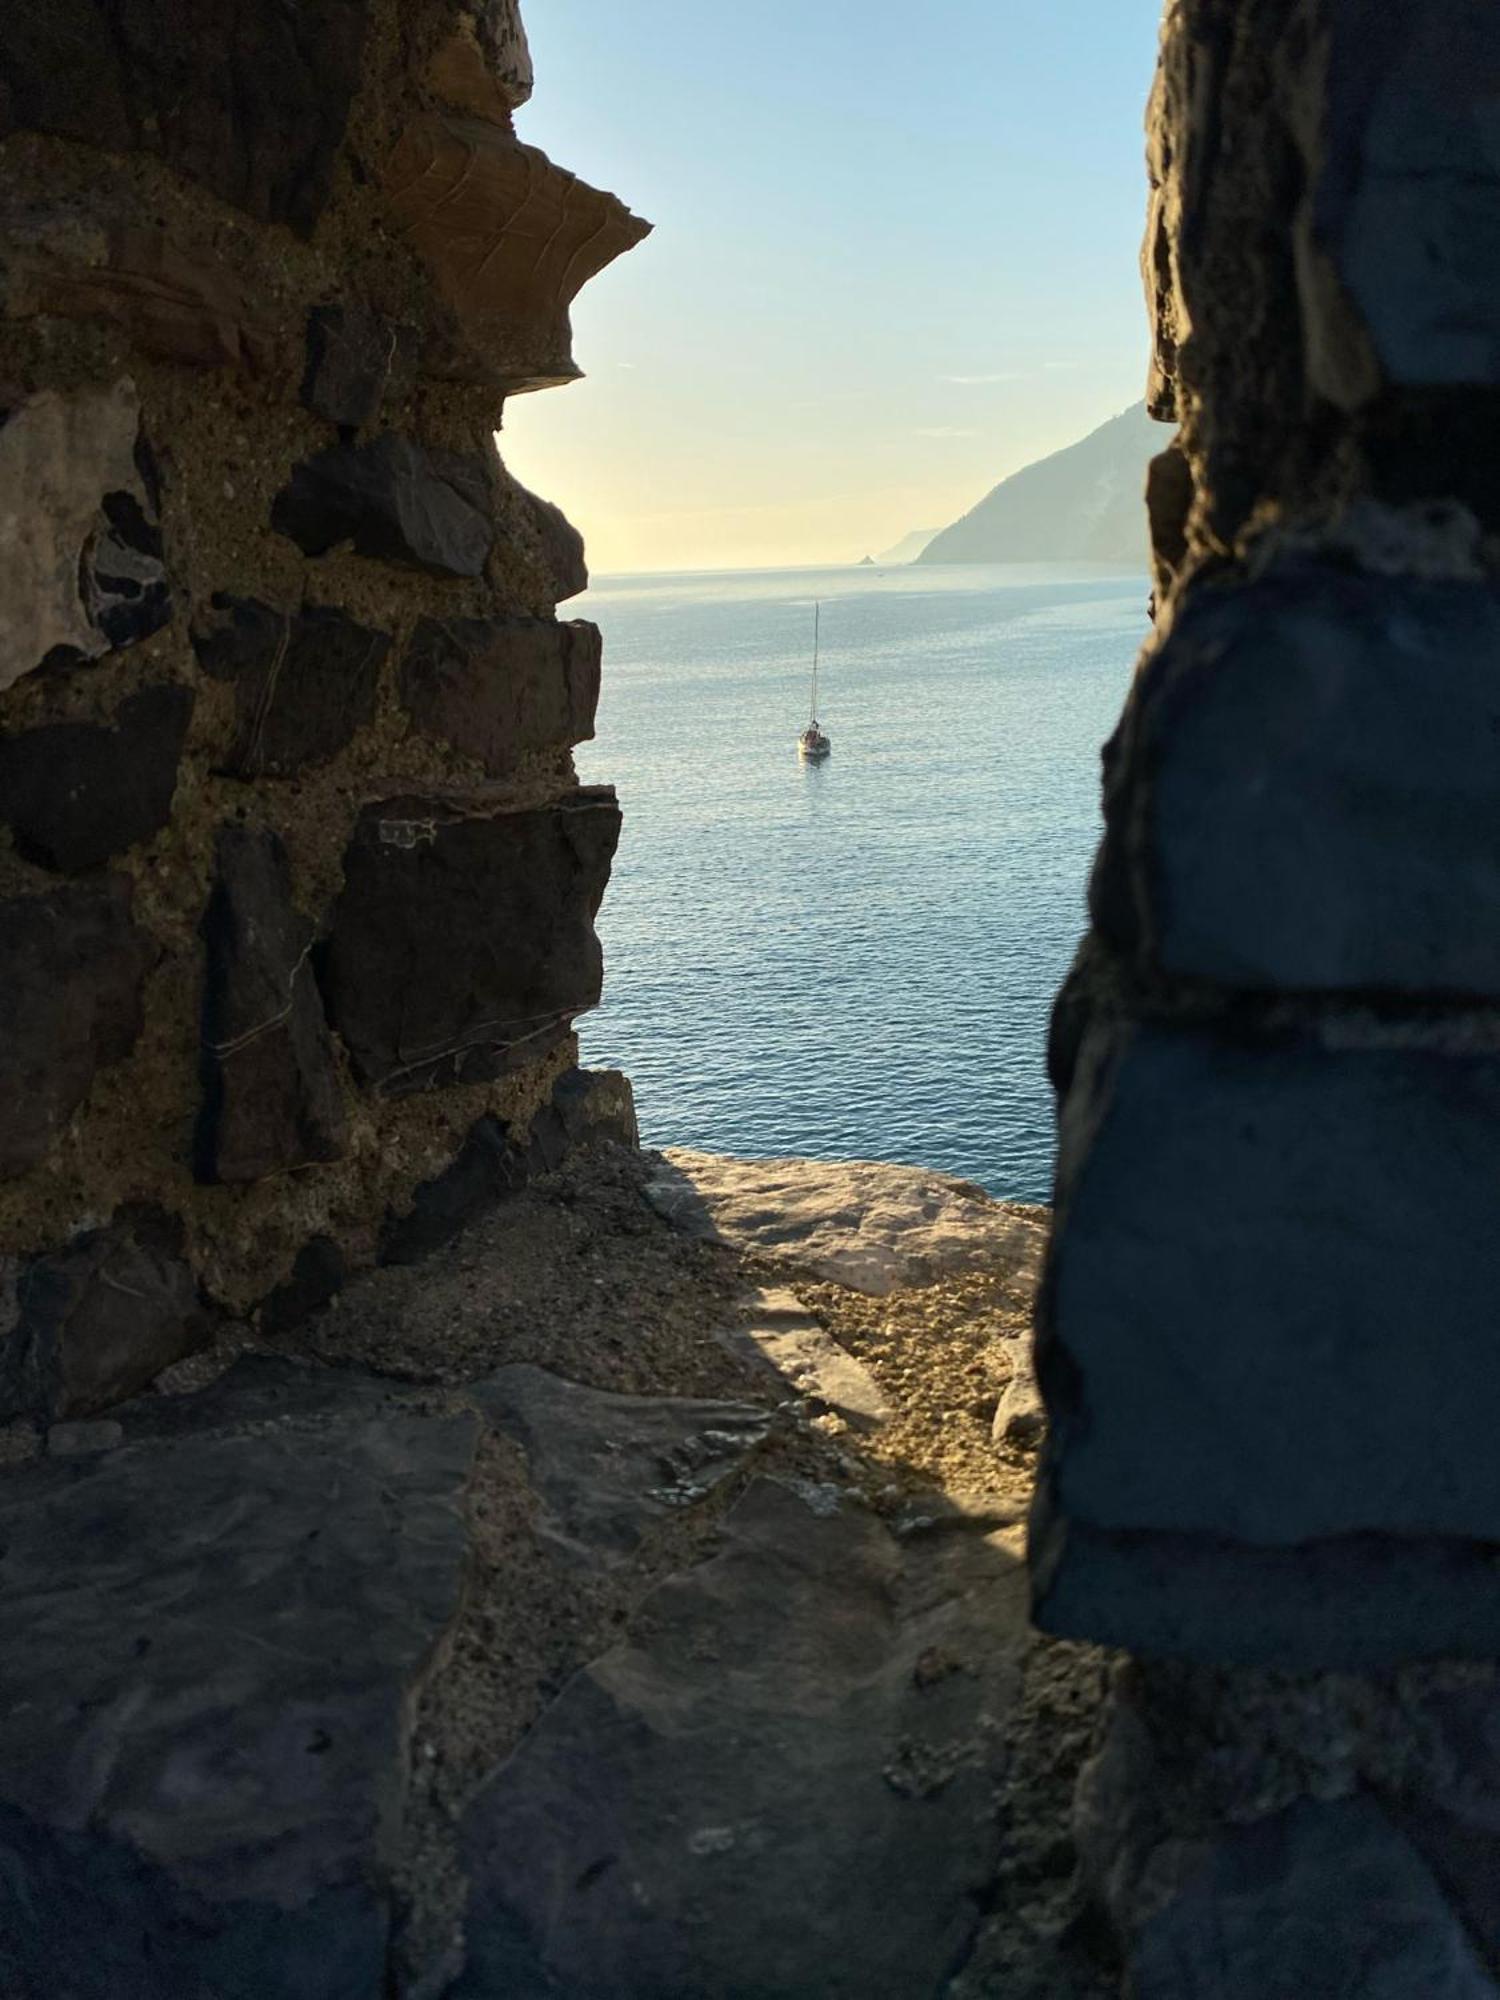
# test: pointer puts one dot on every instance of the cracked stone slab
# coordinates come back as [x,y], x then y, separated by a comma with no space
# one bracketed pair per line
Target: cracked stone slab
[784,1337]
[210,1641]
[781,1783]
[610,1468]
[870,1226]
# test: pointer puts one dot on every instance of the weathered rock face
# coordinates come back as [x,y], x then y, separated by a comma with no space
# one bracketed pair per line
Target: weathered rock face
[462,942]
[84,568]
[305,683]
[510,240]
[484,66]
[253,104]
[264,571]
[500,689]
[395,500]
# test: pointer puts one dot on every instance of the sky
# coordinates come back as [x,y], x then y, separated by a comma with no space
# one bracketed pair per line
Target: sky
[895,259]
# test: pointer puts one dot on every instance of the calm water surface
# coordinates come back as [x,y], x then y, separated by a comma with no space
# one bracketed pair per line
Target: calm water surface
[853,959]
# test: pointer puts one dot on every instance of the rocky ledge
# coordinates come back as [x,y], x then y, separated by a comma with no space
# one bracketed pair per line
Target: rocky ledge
[606,1608]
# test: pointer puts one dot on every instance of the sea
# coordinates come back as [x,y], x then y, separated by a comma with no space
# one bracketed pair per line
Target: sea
[853,959]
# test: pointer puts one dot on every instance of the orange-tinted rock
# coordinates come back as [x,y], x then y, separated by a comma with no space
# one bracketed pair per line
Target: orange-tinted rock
[510,240]
[484,67]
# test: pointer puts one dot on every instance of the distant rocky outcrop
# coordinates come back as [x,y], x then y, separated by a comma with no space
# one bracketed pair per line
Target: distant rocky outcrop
[1084,504]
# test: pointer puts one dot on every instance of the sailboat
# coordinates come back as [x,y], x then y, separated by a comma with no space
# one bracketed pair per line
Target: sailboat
[812,743]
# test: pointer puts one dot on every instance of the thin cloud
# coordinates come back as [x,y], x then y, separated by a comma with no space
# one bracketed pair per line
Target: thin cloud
[973,381]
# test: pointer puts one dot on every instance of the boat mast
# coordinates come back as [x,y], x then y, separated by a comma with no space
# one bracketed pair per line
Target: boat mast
[817,620]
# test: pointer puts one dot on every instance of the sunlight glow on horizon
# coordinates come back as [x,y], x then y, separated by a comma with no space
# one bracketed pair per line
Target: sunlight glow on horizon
[886,271]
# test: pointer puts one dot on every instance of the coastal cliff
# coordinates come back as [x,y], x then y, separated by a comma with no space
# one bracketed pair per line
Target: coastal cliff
[1083,504]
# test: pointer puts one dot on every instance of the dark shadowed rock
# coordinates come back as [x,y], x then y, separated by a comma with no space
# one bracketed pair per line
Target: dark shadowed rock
[1315,1182]
[83,573]
[250,100]
[210,1645]
[1324,1902]
[319,1274]
[351,355]
[487,1167]
[611,1468]
[305,682]
[76,793]
[1357,1603]
[72,964]
[499,688]
[559,545]
[394,500]
[1395,239]
[463,939]
[1311,791]
[272,1099]
[587,1108]
[100,1320]
[782,1783]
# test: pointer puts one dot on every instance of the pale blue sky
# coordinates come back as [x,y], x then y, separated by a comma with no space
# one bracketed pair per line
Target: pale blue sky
[895,258]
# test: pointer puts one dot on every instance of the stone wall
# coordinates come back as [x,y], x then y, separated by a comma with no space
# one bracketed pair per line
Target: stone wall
[297,882]
[1268,1333]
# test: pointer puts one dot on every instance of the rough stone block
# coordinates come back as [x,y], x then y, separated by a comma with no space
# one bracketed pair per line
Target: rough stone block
[72,965]
[1396,237]
[305,682]
[352,353]
[1271,1307]
[597,1105]
[1361,1603]
[100,1320]
[1309,796]
[76,793]
[394,500]
[509,238]
[83,571]
[500,688]
[463,940]
[211,1644]
[1322,1902]
[272,1099]
[250,100]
